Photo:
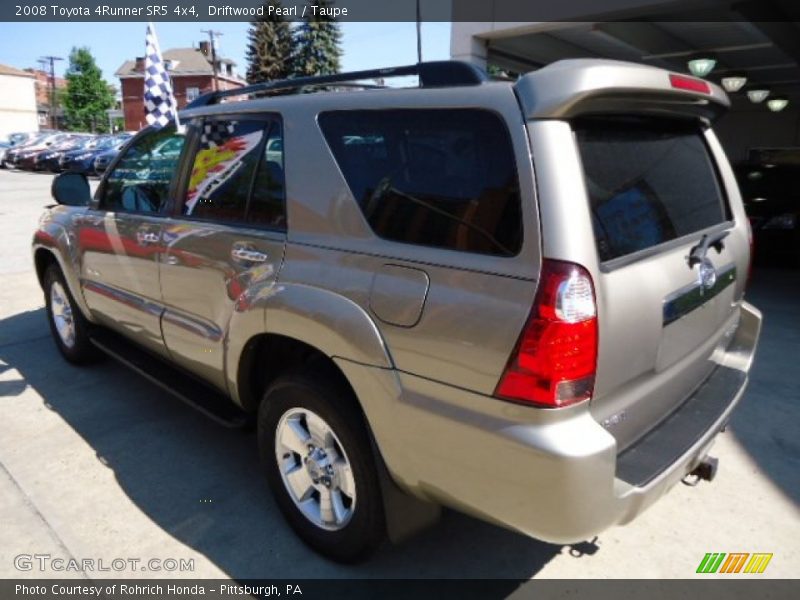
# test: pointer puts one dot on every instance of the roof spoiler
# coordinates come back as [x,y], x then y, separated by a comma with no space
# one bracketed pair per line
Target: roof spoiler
[579,87]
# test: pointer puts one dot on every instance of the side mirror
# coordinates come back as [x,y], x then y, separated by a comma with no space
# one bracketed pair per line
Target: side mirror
[71,189]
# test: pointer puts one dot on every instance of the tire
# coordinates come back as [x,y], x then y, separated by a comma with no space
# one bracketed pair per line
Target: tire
[343,465]
[68,326]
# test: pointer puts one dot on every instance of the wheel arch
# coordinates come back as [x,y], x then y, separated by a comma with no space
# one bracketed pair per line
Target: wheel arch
[46,255]
[267,356]
[294,316]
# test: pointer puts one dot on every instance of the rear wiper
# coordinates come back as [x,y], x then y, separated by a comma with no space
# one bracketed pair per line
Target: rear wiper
[699,252]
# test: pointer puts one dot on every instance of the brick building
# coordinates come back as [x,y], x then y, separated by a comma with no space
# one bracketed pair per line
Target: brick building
[42,83]
[191,73]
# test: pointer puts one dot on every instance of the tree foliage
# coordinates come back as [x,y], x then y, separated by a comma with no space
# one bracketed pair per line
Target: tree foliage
[317,43]
[88,96]
[270,47]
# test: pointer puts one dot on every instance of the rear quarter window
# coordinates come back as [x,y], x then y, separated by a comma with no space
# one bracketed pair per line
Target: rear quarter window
[431,177]
[648,181]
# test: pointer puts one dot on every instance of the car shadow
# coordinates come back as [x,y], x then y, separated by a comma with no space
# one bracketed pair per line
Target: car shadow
[203,485]
[766,421]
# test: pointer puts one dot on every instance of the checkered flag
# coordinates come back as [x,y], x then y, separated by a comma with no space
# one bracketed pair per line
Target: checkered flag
[216,132]
[159,103]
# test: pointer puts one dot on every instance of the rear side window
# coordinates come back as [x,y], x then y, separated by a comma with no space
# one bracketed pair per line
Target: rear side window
[442,178]
[648,181]
[237,173]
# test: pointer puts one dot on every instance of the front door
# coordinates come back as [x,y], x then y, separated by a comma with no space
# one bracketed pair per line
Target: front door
[120,240]
[226,243]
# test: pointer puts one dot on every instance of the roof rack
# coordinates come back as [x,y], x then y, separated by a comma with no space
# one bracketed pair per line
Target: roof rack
[443,73]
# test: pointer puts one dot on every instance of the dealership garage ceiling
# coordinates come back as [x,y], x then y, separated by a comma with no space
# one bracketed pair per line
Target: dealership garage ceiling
[767,53]
[736,46]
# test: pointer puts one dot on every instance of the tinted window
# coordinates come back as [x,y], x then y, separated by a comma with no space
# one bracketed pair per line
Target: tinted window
[648,182]
[443,178]
[140,181]
[223,169]
[267,204]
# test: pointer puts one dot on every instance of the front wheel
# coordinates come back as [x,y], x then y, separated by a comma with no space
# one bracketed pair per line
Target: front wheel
[316,451]
[68,326]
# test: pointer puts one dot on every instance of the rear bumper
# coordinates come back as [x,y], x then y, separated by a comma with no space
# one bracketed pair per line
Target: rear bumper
[552,474]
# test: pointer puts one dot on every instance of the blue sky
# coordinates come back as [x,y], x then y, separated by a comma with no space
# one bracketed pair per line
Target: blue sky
[366,45]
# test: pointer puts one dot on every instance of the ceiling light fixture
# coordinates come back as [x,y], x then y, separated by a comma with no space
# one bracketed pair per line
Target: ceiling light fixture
[702,65]
[757,95]
[733,83]
[778,103]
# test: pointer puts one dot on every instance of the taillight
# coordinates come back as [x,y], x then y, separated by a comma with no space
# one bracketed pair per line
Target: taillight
[554,361]
[690,84]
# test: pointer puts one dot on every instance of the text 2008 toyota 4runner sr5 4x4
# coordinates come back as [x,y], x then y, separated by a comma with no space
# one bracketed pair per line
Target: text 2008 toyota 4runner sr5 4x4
[523,301]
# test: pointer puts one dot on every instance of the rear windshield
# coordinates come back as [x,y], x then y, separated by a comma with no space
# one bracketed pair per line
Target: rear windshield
[648,181]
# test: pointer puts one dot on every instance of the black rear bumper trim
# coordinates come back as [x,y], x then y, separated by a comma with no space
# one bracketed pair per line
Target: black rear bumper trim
[651,455]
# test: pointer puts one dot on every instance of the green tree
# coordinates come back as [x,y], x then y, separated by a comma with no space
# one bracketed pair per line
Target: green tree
[88,96]
[318,43]
[270,47]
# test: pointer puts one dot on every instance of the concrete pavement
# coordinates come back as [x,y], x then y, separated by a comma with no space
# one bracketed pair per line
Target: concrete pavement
[96,463]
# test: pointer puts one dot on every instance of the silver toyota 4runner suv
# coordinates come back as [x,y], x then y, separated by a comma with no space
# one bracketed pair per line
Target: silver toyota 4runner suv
[520,300]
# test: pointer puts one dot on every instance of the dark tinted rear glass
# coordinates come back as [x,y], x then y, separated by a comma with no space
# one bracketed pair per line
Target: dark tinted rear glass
[443,178]
[648,181]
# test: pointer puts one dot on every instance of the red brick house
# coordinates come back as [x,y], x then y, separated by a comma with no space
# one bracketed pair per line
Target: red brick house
[43,97]
[191,73]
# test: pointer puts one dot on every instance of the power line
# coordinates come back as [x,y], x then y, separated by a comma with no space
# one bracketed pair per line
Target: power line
[212,39]
[52,59]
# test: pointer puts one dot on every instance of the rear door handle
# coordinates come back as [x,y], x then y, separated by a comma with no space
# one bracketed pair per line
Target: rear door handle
[246,255]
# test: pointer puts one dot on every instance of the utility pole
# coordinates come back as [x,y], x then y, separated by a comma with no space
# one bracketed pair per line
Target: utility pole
[212,35]
[52,60]
[419,33]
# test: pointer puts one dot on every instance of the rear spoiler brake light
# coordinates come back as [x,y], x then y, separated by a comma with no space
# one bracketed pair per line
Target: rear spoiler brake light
[690,84]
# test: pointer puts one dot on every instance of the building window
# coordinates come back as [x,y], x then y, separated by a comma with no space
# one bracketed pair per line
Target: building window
[192,93]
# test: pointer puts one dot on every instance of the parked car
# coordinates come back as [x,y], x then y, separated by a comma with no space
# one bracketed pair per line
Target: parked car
[40,157]
[4,146]
[50,159]
[17,138]
[22,156]
[103,159]
[772,202]
[82,161]
[411,321]
[11,153]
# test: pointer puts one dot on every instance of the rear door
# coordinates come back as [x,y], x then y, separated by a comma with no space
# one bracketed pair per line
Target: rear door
[669,258]
[226,240]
